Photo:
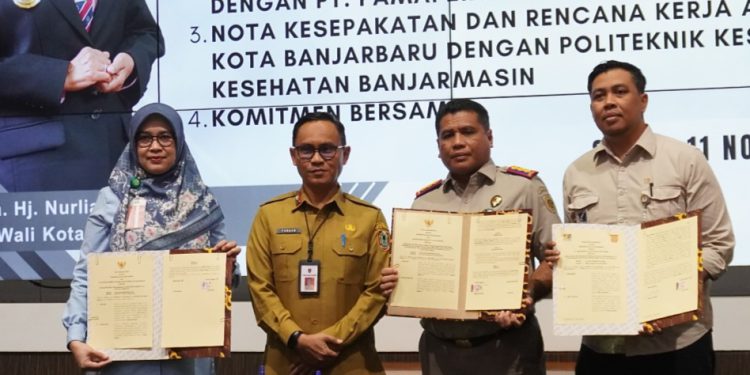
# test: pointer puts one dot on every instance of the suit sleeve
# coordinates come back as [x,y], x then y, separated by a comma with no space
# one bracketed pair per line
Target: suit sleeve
[369,307]
[144,43]
[34,81]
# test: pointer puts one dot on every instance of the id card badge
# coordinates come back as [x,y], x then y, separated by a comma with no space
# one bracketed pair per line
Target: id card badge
[136,213]
[309,277]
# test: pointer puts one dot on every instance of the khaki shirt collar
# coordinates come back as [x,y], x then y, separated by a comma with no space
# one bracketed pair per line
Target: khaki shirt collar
[646,142]
[488,171]
[335,204]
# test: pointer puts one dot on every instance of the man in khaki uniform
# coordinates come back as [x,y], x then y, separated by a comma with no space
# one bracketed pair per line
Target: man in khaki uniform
[314,257]
[507,345]
[635,175]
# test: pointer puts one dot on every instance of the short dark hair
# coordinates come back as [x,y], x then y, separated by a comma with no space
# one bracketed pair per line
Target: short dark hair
[638,78]
[319,116]
[458,105]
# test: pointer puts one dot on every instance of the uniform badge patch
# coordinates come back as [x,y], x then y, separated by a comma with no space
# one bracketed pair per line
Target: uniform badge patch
[547,199]
[549,203]
[384,240]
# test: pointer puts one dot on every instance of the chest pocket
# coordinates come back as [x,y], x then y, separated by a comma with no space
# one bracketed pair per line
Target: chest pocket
[351,261]
[580,205]
[285,257]
[665,201]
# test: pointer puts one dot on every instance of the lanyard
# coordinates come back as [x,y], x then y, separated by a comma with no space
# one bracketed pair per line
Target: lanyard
[312,236]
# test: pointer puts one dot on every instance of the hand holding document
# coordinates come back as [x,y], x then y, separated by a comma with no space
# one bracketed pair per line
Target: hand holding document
[150,305]
[458,265]
[613,279]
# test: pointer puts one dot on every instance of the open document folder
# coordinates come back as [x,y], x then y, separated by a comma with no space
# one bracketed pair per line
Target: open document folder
[150,305]
[459,265]
[614,279]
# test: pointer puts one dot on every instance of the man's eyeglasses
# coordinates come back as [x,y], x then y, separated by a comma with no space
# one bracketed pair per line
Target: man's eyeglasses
[144,140]
[326,151]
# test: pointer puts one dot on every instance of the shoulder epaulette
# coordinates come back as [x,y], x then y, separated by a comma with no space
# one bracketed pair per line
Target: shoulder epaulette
[281,197]
[519,171]
[358,200]
[432,186]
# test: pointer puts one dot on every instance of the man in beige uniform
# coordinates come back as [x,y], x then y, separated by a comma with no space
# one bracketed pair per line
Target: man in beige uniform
[635,175]
[474,184]
[314,258]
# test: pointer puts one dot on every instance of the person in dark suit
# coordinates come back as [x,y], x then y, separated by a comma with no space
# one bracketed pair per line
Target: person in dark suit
[67,93]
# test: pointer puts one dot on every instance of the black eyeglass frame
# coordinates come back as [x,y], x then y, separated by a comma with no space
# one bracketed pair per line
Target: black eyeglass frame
[326,151]
[164,140]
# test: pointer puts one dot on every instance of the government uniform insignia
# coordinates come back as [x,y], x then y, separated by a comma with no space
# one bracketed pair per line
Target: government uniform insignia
[384,240]
[26,4]
[549,203]
[519,171]
[432,186]
[495,201]
[547,199]
[350,227]
[288,231]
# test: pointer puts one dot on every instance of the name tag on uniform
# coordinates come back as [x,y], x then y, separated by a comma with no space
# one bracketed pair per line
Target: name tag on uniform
[309,277]
[288,231]
[136,213]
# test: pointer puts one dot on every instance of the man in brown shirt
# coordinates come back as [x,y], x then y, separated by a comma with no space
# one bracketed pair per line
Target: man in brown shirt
[314,257]
[635,175]
[474,183]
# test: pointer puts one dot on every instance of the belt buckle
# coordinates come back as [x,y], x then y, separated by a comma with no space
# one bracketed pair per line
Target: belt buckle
[463,343]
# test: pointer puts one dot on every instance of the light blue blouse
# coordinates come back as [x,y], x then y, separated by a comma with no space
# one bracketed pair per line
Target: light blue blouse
[96,240]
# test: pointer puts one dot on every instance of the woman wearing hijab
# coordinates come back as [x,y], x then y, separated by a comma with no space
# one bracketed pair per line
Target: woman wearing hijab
[155,200]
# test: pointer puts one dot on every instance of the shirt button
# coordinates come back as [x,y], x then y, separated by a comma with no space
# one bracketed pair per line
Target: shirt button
[96,114]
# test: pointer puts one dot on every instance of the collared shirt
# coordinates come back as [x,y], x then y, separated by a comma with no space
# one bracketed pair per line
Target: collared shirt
[658,177]
[351,244]
[490,188]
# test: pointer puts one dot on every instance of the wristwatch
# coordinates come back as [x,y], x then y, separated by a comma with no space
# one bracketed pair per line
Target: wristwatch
[292,343]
